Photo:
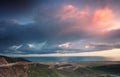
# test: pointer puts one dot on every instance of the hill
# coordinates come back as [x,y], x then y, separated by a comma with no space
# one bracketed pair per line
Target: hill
[5,60]
[24,68]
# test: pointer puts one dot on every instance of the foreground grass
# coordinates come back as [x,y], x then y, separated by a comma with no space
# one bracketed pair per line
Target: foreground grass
[43,70]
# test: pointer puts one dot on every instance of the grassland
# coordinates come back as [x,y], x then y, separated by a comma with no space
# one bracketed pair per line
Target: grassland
[60,69]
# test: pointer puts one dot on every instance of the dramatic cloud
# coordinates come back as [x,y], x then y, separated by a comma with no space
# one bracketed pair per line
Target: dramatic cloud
[100,46]
[99,19]
[61,27]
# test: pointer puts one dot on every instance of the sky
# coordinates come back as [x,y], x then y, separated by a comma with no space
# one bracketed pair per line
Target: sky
[52,27]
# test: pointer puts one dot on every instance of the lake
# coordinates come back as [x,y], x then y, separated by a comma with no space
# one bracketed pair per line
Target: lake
[67,59]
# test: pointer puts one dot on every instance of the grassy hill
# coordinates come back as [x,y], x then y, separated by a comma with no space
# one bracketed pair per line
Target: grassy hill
[40,69]
[12,60]
[112,68]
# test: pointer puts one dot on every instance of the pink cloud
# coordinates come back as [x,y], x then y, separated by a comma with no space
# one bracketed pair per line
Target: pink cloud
[69,12]
[103,18]
[92,22]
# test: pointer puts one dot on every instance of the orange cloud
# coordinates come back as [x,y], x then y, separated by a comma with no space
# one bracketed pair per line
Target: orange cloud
[103,15]
[92,22]
[103,18]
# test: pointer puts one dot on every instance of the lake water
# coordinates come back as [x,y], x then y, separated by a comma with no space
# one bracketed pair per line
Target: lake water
[67,59]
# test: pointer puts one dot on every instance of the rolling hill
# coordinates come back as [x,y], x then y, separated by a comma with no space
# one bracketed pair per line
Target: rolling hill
[18,67]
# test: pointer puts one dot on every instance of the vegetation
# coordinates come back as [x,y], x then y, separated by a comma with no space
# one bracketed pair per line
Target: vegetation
[13,60]
[30,69]
[113,69]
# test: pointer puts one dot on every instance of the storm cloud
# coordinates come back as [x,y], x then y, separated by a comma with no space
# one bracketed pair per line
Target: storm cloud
[59,26]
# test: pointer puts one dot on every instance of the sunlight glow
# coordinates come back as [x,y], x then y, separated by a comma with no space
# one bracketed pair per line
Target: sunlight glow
[66,45]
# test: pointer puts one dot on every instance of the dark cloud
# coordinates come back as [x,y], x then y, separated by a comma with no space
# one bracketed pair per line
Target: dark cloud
[114,34]
[12,33]
[48,26]
[16,8]
[106,45]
